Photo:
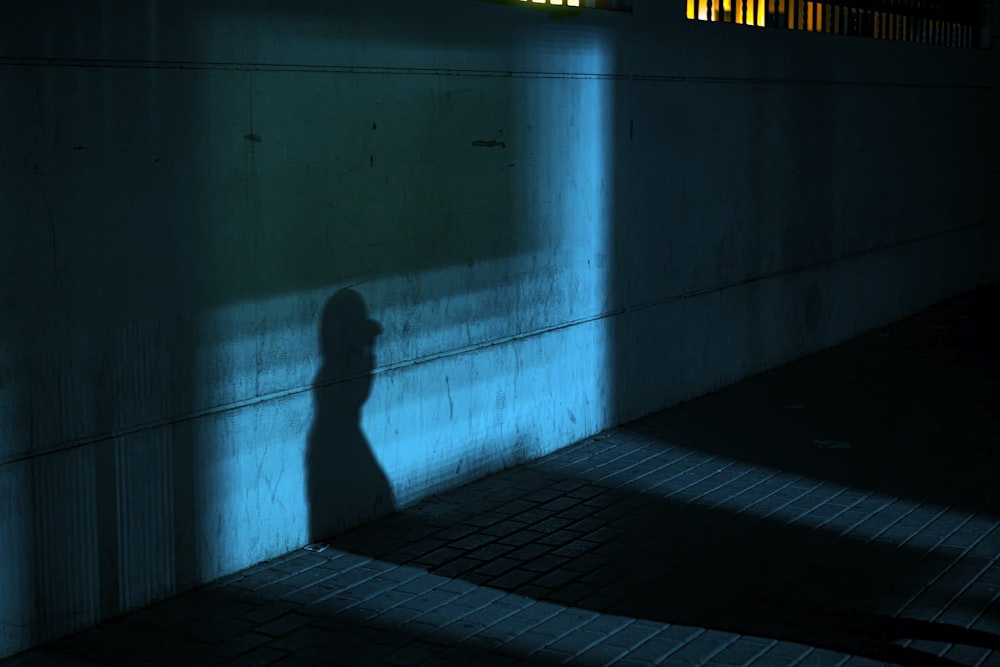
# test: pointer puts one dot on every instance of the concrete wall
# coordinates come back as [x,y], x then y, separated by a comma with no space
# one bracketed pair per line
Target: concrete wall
[271,269]
[807,187]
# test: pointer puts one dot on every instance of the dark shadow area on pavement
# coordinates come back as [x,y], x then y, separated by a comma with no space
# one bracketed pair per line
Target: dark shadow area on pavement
[911,411]
[639,556]
[228,626]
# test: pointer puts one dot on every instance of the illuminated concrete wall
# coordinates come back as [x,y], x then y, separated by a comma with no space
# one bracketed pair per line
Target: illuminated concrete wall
[211,208]
[272,268]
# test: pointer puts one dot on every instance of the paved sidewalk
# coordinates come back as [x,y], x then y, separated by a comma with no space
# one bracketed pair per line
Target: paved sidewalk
[843,510]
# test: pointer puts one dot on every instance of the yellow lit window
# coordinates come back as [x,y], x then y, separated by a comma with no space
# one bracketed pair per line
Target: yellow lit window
[918,21]
[745,12]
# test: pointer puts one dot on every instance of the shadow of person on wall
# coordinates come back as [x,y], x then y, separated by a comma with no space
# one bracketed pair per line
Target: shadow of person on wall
[345,483]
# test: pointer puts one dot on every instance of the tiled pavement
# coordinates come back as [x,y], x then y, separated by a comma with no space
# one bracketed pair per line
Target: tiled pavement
[843,510]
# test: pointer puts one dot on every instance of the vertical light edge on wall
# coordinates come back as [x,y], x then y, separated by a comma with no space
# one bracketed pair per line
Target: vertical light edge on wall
[572,192]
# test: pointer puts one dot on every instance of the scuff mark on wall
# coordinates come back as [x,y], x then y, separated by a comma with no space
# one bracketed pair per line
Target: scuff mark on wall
[492,143]
[451,402]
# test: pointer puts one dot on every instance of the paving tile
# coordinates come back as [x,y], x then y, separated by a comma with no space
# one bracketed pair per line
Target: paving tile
[310,635]
[966,655]
[787,651]
[607,625]
[429,601]
[499,660]
[397,616]
[265,612]
[630,662]
[601,654]
[505,528]
[506,629]
[411,654]
[739,653]
[825,658]
[496,567]
[568,620]
[861,661]
[701,648]
[472,541]
[552,656]
[514,578]
[476,597]
[440,556]
[561,577]
[259,657]
[282,625]
[485,519]
[576,641]
[768,660]
[460,567]
[425,546]
[295,660]
[241,644]
[581,594]
[522,537]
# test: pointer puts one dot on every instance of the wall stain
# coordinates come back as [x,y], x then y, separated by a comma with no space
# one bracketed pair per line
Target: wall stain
[252,138]
[451,403]
[492,143]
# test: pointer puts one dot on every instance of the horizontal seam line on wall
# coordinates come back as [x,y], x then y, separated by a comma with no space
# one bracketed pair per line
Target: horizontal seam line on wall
[9,61]
[808,266]
[479,346]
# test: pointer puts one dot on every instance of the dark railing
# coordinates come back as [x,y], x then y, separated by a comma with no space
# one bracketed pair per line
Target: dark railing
[955,23]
